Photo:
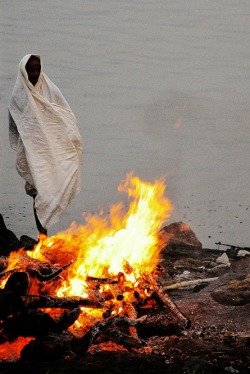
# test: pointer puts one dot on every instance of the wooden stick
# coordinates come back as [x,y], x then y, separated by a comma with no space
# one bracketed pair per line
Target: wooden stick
[131,312]
[35,302]
[178,315]
[49,277]
[188,283]
[116,292]
[115,334]
[37,274]
[94,281]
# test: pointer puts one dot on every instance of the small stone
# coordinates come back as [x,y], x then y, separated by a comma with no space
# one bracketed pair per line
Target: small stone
[243,253]
[230,369]
[223,259]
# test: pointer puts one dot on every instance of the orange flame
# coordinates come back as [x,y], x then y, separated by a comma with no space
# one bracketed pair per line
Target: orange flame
[107,243]
[11,351]
[123,242]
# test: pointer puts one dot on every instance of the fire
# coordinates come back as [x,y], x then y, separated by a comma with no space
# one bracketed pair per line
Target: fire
[11,351]
[124,242]
[106,244]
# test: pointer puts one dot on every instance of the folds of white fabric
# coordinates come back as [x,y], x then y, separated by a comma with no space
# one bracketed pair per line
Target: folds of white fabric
[48,145]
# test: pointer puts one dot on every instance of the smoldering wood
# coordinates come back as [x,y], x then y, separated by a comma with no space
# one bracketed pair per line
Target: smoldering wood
[96,296]
[43,272]
[116,291]
[166,300]
[108,327]
[47,348]
[132,313]
[67,318]
[55,346]
[18,283]
[34,323]
[48,277]
[37,323]
[96,282]
[10,297]
[10,304]
[158,323]
[81,345]
[127,341]
[36,301]
[5,274]
[18,324]
[213,326]
[121,279]
[123,320]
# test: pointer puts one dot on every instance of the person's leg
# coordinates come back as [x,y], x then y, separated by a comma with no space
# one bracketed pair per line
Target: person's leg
[40,228]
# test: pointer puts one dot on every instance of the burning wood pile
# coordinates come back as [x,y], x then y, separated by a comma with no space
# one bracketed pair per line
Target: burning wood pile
[99,281]
[113,306]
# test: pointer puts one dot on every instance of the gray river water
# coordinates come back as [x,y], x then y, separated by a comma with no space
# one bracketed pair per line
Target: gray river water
[159,87]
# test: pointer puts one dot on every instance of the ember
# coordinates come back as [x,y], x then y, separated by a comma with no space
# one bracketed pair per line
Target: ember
[89,279]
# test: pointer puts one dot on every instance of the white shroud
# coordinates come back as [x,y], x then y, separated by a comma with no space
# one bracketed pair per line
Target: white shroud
[44,133]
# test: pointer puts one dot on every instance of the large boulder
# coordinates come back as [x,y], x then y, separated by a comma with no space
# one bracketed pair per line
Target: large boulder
[178,235]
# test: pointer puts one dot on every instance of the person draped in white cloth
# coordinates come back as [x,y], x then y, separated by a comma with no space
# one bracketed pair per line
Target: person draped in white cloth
[44,133]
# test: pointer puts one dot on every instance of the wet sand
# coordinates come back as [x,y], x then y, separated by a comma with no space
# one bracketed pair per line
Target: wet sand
[158,87]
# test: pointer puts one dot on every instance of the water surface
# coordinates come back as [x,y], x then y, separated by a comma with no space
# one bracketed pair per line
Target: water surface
[159,87]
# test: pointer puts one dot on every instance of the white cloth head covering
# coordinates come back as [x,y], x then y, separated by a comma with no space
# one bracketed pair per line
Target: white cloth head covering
[44,133]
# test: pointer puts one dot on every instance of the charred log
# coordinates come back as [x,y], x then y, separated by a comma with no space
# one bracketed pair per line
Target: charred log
[10,304]
[127,341]
[48,277]
[117,292]
[166,300]
[18,283]
[37,323]
[67,318]
[28,323]
[95,282]
[10,297]
[46,349]
[158,323]
[5,274]
[35,302]
[109,328]
[131,312]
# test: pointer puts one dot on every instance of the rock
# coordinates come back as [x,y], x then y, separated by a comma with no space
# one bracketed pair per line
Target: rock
[184,276]
[218,270]
[223,260]
[241,265]
[243,253]
[178,234]
[188,263]
[236,292]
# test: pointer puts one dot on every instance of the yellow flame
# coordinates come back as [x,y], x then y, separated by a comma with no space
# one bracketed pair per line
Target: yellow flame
[106,244]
